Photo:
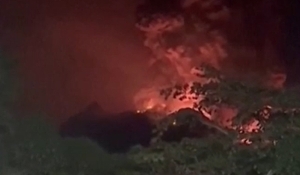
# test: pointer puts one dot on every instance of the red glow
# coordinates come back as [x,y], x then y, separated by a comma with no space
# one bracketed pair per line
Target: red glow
[73,52]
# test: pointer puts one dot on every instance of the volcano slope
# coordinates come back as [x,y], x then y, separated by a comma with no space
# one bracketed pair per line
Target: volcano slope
[117,133]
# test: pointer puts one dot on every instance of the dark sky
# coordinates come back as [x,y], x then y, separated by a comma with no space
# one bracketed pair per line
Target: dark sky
[73,52]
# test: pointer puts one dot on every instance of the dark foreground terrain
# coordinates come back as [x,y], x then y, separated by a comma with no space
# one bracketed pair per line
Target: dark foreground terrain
[117,133]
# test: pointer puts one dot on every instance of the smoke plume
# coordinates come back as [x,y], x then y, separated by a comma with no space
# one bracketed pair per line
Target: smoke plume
[71,53]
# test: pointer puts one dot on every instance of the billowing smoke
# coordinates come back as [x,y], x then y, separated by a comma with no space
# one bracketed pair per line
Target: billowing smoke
[184,34]
[71,53]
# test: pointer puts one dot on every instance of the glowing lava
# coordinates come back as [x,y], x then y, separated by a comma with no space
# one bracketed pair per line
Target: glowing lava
[178,66]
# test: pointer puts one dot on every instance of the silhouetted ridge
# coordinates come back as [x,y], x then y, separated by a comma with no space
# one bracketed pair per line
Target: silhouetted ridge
[117,133]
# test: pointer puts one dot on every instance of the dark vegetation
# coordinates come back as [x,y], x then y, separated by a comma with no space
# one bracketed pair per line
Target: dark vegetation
[115,133]
[119,132]
[31,146]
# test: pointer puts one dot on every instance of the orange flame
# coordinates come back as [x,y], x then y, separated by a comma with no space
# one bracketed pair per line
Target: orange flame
[180,68]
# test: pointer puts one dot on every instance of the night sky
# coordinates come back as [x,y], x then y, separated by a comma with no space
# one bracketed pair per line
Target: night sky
[71,53]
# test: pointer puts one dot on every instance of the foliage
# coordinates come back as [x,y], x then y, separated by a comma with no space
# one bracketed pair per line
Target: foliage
[221,155]
[31,146]
[34,147]
[186,157]
[196,31]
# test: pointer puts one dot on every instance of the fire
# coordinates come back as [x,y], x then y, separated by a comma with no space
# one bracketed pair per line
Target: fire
[151,99]
[178,65]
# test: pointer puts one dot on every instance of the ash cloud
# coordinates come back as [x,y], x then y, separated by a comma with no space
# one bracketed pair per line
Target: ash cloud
[71,53]
[74,52]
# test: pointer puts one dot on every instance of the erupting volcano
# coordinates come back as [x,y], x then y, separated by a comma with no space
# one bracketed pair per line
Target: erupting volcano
[184,43]
[193,51]
[187,87]
[179,46]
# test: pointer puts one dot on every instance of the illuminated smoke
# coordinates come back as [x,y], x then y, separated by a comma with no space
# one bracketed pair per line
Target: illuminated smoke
[179,62]
[71,53]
